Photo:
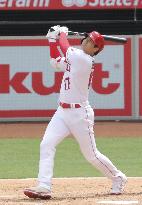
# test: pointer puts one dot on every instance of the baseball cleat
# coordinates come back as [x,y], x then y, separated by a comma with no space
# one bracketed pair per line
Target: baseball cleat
[118,185]
[38,193]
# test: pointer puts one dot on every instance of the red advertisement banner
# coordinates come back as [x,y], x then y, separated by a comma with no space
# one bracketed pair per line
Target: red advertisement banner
[68,4]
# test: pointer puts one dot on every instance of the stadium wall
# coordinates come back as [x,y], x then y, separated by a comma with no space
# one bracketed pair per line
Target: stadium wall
[29,86]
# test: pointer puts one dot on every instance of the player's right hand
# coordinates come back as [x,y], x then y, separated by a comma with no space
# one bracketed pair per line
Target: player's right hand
[53,33]
[64,29]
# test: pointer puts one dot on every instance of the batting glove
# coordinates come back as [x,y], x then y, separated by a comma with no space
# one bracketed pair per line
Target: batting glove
[53,33]
[64,29]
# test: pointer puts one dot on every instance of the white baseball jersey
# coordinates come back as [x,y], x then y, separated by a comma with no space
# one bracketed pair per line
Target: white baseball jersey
[75,82]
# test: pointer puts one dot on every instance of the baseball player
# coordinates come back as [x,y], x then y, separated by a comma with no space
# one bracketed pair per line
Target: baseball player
[74,114]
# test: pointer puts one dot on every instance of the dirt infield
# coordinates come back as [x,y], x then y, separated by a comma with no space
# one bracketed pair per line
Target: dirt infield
[35,129]
[75,191]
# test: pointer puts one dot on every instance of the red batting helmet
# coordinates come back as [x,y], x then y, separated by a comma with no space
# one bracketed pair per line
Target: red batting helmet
[98,39]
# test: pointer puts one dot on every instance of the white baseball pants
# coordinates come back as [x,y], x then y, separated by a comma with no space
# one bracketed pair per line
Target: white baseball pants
[78,122]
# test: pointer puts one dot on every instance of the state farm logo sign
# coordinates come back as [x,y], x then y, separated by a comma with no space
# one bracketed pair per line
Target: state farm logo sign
[94,3]
[79,3]
[68,4]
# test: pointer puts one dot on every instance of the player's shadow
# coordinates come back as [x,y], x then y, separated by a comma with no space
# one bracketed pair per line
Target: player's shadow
[92,195]
[62,198]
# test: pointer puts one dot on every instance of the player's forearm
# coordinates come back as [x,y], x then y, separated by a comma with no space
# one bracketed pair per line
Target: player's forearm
[63,42]
[54,52]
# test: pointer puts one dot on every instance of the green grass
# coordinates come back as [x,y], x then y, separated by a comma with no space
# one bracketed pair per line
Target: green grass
[19,157]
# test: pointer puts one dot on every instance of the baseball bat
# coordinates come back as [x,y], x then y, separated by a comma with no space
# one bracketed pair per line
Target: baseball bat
[106,37]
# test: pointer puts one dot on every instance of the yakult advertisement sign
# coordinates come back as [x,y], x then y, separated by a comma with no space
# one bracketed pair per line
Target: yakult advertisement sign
[29,86]
[68,4]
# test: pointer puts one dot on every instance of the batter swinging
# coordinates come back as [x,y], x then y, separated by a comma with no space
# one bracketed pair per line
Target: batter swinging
[74,114]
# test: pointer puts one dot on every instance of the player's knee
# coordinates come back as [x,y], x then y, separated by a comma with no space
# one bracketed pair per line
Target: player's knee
[46,149]
[45,144]
[92,157]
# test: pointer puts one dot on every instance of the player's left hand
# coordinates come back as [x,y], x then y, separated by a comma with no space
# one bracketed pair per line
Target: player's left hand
[53,33]
[59,63]
[64,29]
